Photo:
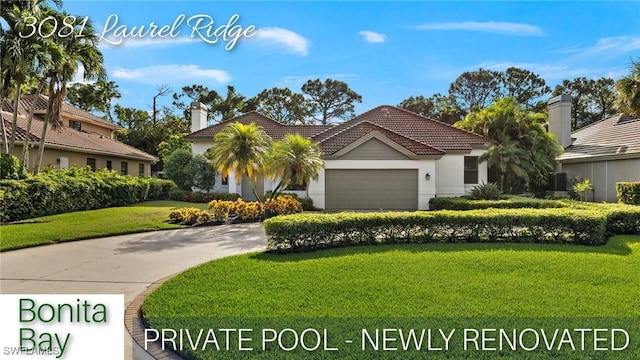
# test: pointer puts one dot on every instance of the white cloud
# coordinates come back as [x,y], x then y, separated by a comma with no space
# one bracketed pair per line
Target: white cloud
[610,45]
[498,27]
[281,38]
[372,37]
[143,42]
[171,74]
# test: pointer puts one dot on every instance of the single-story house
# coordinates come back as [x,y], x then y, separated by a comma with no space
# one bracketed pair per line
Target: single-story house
[386,158]
[605,152]
[83,140]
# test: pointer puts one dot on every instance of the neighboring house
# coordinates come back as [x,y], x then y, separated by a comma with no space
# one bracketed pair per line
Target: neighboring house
[605,152]
[83,140]
[386,158]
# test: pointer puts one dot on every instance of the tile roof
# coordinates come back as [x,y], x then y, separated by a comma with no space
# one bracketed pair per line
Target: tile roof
[339,140]
[273,128]
[75,140]
[617,135]
[67,110]
[419,134]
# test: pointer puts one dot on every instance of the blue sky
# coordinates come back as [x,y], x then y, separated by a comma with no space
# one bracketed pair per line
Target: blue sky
[386,51]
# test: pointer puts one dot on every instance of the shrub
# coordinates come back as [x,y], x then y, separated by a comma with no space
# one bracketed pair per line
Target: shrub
[188,216]
[221,209]
[203,198]
[628,192]
[10,168]
[489,191]
[305,232]
[249,211]
[76,189]
[307,204]
[282,205]
[582,188]
[512,202]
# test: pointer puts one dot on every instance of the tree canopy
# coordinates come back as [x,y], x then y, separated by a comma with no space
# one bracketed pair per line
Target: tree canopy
[331,99]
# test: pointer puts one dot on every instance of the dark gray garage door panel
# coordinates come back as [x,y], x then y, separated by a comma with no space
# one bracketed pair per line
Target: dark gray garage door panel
[356,189]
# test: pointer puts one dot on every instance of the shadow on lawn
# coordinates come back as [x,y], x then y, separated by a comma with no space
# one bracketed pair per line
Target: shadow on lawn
[617,245]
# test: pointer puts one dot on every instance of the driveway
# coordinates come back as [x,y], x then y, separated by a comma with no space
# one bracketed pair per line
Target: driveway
[125,264]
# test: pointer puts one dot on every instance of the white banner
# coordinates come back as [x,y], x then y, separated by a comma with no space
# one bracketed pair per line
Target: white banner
[68,327]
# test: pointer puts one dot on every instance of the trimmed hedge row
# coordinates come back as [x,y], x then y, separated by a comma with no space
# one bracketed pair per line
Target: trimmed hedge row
[296,233]
[628,192]
[76,189]
[202,198]
[512,202]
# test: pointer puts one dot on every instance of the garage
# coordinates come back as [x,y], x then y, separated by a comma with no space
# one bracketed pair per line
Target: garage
[371,189]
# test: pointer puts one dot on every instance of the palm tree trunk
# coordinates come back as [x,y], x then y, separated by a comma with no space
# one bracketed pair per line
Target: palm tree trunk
[14,123]
[25,146]
[5,143]
[47,118]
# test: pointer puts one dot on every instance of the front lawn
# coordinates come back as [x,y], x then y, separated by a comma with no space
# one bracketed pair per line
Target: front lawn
[365,285]
[146,216]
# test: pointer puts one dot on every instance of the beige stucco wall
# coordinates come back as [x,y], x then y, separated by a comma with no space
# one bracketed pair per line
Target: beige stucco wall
[450,174]
[51,157]
[604,175]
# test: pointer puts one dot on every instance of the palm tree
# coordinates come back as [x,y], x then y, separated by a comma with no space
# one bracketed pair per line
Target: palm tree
[241,149]
[75,51]
[628,91]
[507,159]
[294,160]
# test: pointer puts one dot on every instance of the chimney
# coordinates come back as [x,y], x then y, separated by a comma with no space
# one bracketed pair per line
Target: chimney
[198,116]
[559,108]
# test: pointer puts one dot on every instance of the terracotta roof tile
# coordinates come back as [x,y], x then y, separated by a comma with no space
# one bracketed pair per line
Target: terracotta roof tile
[420,135]
[416,127]
[73,139]
[616,135]
[273,128]
[339,140]
[68,110]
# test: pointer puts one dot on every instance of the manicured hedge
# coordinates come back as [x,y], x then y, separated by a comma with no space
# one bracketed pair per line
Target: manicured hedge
[202,198]
[60,191]
[512,202]
[628,192]
[306,232]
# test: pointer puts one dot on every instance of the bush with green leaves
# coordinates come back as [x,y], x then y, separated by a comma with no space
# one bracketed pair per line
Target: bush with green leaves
[511,202]
[488,191]
[59,191]
[10,168]
[582,188]
[628,192]
[307,232]
[188,170]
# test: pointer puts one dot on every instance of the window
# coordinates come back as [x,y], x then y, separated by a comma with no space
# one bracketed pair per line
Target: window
[470,169]
[75,125]
[124,168]
[141,170]
[109,165]
[92,163]
[225,180]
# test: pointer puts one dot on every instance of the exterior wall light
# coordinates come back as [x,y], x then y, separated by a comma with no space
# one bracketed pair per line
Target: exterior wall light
[428,176]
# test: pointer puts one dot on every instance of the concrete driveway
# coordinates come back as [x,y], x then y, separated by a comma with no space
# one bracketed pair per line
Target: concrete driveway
[125,264]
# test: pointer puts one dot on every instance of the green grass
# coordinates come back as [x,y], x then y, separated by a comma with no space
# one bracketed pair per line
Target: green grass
[146,216]
[451,281]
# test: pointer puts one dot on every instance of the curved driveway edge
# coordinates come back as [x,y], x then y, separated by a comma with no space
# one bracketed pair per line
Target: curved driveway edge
[125,264]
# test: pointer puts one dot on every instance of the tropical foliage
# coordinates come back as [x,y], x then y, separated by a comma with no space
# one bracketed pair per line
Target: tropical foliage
[241,149]
[628,91]
[524,153]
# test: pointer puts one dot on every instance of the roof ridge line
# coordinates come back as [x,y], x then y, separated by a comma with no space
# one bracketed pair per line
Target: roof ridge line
[442,123]
[404,136]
